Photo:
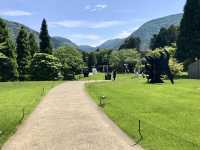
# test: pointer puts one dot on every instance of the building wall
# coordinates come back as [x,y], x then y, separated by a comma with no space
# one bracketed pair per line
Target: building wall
[194,70]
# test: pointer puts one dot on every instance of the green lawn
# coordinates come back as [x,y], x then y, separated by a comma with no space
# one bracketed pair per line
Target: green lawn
[169,114]
[16,96]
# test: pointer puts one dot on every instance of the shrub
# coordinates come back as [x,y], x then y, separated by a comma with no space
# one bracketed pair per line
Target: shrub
[8,71]
[45,67]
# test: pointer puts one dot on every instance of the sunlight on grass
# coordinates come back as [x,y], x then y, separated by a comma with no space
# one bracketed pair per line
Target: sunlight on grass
[169,114]
[16,96]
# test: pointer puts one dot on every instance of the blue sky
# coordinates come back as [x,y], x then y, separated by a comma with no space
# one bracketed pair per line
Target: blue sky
[88,22]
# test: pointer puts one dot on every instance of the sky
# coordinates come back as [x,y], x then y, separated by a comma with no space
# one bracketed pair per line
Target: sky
[88,22]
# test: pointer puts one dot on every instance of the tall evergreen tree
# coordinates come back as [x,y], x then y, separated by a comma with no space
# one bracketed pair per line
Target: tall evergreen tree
[8,65]
[33,44]
[188,44]
[164,38]
[23,53]
[92,60]
[45,40]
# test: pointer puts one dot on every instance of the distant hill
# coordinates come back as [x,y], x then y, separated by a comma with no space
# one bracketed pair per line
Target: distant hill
[60,41]
[146,32]
[14,28]
[87,48]
[112,44]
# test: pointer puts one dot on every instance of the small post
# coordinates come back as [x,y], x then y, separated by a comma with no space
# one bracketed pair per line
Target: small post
[102,101]
[23,114]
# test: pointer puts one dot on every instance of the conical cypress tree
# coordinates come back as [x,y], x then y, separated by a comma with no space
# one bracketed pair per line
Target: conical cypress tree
[188,44]
[8,65]
[33,44]
[23,53]
[45,41]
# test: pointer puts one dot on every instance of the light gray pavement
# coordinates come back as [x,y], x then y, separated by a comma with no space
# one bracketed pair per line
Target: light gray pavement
[67,119]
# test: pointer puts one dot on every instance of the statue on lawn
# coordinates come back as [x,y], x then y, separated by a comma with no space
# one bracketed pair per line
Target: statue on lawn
[155,66]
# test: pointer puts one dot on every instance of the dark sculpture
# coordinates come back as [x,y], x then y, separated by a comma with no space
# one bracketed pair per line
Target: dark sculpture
[157,66]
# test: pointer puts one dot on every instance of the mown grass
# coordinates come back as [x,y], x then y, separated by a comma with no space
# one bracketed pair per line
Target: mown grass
[16,96]
[169,114]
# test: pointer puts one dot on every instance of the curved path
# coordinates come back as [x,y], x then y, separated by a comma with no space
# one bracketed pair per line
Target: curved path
[67,119]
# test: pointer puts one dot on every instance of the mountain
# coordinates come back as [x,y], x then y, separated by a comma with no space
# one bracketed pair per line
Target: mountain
[60,41]
[87,48]
[14,28]
[146,32]
[112,44]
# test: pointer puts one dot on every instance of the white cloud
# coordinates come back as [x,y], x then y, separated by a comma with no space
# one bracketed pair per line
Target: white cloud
[87,39]
[13,13]
[97,7]
[85,24]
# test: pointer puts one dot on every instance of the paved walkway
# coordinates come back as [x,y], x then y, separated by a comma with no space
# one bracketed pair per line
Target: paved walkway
[67,119]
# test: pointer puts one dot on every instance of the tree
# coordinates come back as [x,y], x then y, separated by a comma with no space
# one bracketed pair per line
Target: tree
[33,44]
[45,67]
[188,44]
[23,53]
[92,60]
[8,65]
[103,57]
[131,43]
[45,40]
[164,38]
[129,57]
[71,60]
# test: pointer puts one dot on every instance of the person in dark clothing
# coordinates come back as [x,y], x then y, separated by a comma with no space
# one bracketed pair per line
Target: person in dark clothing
[114,74]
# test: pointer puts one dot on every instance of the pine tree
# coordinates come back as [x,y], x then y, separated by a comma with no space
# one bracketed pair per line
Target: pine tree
[23,53]
[8,65]
[188,44]
[45,41]
[33,44]
[165,37]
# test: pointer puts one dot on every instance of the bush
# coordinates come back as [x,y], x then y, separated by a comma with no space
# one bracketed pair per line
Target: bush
[45,67]
[8,70]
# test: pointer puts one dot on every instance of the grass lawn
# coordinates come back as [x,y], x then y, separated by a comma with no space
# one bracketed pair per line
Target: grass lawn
[169,114]
[16,96]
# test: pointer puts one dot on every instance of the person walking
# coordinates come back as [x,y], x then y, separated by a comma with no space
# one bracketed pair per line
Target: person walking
[114,74]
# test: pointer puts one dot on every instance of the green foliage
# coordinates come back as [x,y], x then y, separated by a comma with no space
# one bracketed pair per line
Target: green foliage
[71,60]
[103,58]
[124,56]
[92,60]
[188,44]
[33,44]
[175,67]
[7,69]
[45,67]
[23,53]
[165,37]
[131,42]
[8,63]
[45,41]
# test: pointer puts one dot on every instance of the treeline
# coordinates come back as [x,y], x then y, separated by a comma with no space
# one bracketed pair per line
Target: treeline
[25,59]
